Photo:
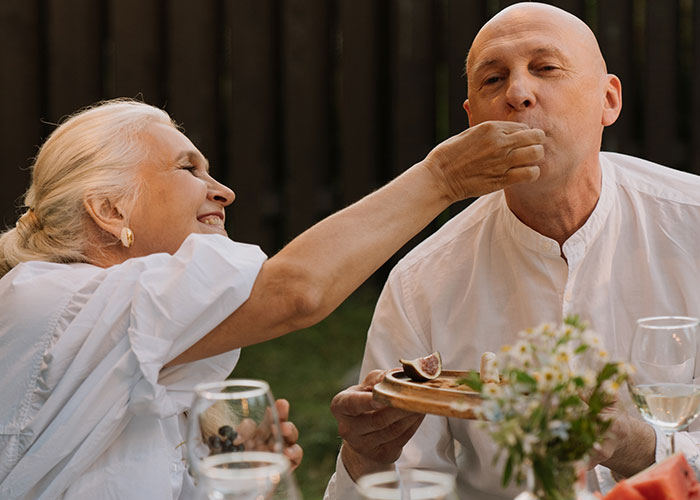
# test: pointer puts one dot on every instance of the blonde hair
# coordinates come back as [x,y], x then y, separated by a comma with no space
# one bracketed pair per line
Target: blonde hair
[92,154]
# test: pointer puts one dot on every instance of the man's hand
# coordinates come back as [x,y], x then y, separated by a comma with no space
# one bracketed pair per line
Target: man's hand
[486,157]
[373,434]
[630,444]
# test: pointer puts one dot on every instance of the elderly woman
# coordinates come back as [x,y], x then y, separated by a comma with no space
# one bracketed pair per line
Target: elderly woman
[120,290]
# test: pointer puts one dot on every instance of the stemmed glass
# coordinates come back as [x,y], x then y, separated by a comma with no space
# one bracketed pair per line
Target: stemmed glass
[407,484]
[234,443]
[663,387]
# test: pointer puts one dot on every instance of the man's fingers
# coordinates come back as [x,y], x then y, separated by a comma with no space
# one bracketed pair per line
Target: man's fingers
[354,403]
[373,378]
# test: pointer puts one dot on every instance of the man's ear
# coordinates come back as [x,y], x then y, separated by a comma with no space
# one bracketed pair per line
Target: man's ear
[106,215]
[466,107]
[613,101]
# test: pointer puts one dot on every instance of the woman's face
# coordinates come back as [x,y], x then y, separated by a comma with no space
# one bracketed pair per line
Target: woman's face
[178,195]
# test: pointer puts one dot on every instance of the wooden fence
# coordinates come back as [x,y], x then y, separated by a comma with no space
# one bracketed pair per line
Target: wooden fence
[302,106]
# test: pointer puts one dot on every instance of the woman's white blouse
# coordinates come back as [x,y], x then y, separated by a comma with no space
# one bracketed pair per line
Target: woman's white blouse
[87,409]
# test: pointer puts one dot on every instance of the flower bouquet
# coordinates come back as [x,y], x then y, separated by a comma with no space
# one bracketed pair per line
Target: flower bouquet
[547,413]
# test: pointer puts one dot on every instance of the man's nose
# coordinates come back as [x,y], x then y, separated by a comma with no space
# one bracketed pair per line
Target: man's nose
[519,92]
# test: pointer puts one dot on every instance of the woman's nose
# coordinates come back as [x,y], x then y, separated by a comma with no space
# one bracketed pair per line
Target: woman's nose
[220,193]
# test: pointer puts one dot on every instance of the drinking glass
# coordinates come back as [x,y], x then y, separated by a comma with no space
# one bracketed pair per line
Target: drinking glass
[407,484]
[246,475]
[663,387]
[229,418]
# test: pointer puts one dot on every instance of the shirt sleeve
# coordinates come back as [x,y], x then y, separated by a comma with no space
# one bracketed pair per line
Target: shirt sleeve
[176,304]
[103,361]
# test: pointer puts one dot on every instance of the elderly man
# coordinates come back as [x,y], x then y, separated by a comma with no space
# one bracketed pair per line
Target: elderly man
[607,236]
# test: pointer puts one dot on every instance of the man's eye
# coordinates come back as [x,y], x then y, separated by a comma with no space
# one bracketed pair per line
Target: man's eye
[190,168]
[548,68]
[491,80]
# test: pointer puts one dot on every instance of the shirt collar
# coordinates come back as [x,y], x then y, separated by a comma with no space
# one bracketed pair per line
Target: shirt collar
[575,247]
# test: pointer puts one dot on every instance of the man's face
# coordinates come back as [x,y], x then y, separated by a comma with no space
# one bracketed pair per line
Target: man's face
[540,71]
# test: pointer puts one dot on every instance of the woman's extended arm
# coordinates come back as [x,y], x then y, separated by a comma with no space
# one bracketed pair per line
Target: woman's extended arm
[320,268]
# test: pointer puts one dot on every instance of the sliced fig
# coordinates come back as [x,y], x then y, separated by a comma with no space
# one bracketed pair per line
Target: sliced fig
[422,369]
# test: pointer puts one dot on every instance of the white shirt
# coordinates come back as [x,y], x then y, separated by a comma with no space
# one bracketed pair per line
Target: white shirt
[485,275]
[87,409]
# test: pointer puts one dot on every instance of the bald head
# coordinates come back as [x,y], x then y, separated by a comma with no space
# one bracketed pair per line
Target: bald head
[538,17]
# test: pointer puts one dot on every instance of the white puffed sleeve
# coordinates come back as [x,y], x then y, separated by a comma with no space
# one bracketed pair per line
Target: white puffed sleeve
[86,347]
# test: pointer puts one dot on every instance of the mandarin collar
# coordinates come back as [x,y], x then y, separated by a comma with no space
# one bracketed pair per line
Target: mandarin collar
[575,247]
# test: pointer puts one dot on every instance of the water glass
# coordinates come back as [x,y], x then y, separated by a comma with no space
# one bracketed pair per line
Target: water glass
[407,484]
[247,475]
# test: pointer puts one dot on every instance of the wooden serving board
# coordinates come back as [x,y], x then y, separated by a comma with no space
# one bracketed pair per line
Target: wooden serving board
[442,396]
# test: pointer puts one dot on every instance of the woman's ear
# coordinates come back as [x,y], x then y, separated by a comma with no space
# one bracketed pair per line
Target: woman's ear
[106,215]
[613,100]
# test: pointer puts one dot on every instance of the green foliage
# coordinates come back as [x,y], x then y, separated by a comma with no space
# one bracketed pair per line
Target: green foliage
[547,413]
[308,368]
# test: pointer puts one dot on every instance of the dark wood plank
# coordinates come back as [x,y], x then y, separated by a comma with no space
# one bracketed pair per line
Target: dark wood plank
[661,75]
[412,66]
[306,94]
[616,39]
[575,7]
[192,80]
[464,20]
[74,56]
[136,66]
[20,94]
[694,144]
[252,122]
[358,106]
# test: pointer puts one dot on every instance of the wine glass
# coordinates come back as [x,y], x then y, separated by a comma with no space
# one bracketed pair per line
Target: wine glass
[247,475]
[229,420]
[407,484]
[663,356]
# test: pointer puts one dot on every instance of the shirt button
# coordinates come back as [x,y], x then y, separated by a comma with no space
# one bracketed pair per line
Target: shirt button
[568,296]
[173,466]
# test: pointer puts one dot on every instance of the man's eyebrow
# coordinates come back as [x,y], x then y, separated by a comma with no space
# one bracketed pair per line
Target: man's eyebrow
[547,50]
[550,50]
[192,157]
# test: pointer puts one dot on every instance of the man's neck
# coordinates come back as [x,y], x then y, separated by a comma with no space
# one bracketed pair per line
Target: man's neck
[557,211]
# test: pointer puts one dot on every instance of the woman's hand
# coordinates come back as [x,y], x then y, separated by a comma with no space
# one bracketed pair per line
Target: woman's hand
[253,437]
[486,157]
[290,434]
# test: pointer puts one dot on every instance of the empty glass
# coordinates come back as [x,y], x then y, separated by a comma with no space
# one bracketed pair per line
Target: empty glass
[247,475]
[229,420]
[407,484]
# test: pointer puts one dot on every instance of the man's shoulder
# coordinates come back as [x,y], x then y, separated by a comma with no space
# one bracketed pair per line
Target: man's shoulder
[652,179]
[456,234]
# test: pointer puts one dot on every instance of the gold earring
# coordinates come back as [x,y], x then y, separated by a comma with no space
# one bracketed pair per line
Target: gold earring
[127,237]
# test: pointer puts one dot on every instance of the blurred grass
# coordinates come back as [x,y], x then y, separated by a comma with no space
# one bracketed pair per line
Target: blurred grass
[308,368]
